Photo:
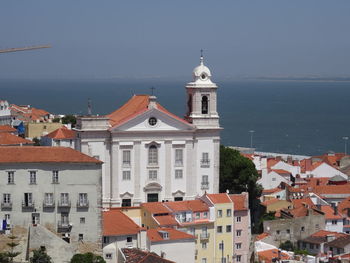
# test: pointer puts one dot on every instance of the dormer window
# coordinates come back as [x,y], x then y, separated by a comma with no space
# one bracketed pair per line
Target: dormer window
[204,105]
[164,234]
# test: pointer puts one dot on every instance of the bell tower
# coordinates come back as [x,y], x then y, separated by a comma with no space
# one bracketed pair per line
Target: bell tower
[202,98]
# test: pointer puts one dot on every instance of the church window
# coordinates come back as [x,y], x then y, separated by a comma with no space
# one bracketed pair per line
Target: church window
[153,155]
[204,105]
[152,121]
[126,202]
[178,157]
[152,174]
[205,162]
[126,158]
[126,175]
[203,76]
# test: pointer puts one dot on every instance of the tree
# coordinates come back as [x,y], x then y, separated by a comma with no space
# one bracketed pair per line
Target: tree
[87,258]
[40,256]
[288,245]
[11,254]
[4,258]
[69,119]
[36,141]
[238,174]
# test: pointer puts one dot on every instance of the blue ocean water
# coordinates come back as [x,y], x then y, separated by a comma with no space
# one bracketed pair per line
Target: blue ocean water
[296,117]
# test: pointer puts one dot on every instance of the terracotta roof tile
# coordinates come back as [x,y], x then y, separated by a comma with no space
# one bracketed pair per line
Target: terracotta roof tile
[156,208]
[62,133]
[189,205]
[219,198]
[302,202]
[344,206]
[134,255]
[339,242]
[270,201]
[324,233]
[166,220]
[332,189]
[262,236]
[240,201]
[154,235]
[268,255]
[280,171]
[116,223]
[7,128]
[329,213]
[43,154]
[10,139]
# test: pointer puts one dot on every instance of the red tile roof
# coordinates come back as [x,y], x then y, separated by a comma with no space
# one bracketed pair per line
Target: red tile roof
[190,205]
[280,171]
[268,255]
[43,154]
[134,107]
[134,255]
[344,206]
[28,113]
[271,191]
[154,235]
[219,198]
[116,223]
[240,201]
[62,133]
[324,233]
[261,236]
[7,128]
[166,220]
[332,189]
[156,208]
[270,201]
[10,139]
[329,213]
[302,202]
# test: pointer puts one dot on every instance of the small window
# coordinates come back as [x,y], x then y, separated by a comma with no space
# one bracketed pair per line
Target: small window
[105,240]
[128,239]
[204,105]
[204,260]
[334,222]
[238,233]
[278,232]
[273,179]
[288,231]
[219,213]
[178,174]
[126,158]
[219,229]
[152,174]
[178,157]
[238,245]
[81,237]
[204,245]
[152,121]
[55,177]
[221,246]
[126,202]
[238,219]
[311,246]
[228,228]
[228,212]
[302,229]
[205,215]
[198,215]
[32,177]
[82,220]
[108,256]
[126,175]
[179,198]
[238,258]
[11,177]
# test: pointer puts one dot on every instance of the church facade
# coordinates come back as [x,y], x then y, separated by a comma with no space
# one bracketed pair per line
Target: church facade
[150,154]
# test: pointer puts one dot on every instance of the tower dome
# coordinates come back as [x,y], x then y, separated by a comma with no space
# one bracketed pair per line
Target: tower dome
[201,72]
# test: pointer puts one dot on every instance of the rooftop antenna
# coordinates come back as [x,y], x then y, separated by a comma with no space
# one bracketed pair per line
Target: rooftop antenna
[89,107]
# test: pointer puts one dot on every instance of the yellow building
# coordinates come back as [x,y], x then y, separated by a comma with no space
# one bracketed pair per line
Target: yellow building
[274,205]
[38,129]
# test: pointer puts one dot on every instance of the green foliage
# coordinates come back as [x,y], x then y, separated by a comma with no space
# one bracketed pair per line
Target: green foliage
[268,216]
[11,254]
[40,256]
[4,258]
[87,258]
[288,245]
[36,141]
[69,119]
[300,252]
[238,174]
[56,120]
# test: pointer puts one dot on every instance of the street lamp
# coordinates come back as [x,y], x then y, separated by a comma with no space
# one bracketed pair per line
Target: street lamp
[345,138]
[251,138]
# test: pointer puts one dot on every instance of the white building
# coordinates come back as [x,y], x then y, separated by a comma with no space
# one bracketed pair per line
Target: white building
[150,154]
[63,136]
[5,113]
[56,187]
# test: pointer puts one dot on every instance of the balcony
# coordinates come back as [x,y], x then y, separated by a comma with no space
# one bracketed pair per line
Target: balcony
[205,163]
[63,226]
[204,236]
[6,205]
[205,185]
[83,204]
[64,204]
[48,204]
[28,205]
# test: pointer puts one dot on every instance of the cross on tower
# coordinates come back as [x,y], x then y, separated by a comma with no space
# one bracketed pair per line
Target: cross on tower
[201,52]
[152,90]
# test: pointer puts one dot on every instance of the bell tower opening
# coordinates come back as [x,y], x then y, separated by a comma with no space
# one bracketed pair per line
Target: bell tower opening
[204,105]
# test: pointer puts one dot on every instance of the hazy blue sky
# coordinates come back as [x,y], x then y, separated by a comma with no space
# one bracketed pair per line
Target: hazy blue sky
[103,39]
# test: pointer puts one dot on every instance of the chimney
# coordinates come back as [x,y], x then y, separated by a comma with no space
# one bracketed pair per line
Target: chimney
[335,210]
[152,102]
[290,160]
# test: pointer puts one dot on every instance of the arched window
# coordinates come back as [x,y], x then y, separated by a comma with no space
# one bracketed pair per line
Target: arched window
[204,105]
[152,155]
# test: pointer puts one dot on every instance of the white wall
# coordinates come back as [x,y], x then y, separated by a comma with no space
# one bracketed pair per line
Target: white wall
[176,250]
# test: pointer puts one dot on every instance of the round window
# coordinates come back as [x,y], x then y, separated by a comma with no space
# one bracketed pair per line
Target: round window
[203,76]
[152,121]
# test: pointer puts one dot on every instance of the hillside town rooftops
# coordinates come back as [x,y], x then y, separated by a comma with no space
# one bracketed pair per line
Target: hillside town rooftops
[62,133]
[240,201]
[134,255]
[43,154]
[166,234]
[189,205]
[219,198]
[116,223]
[330,213]
[268,256]
[10,139]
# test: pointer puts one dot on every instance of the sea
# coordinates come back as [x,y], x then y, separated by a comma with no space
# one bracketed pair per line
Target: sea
[294,117]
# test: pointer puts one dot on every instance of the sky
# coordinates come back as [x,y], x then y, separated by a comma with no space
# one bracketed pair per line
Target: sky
[162,39]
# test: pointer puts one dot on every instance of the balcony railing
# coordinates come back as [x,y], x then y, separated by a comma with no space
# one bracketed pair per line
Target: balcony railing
[6,205]
[63,226]
[48,204]
[205,163]
[64,203]
[28,205]
[204,185]
[83,204]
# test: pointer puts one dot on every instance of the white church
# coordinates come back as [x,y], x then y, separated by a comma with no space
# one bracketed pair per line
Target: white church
[152,155]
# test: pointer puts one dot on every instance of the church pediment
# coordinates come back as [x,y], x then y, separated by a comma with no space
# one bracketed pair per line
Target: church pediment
[154,120]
